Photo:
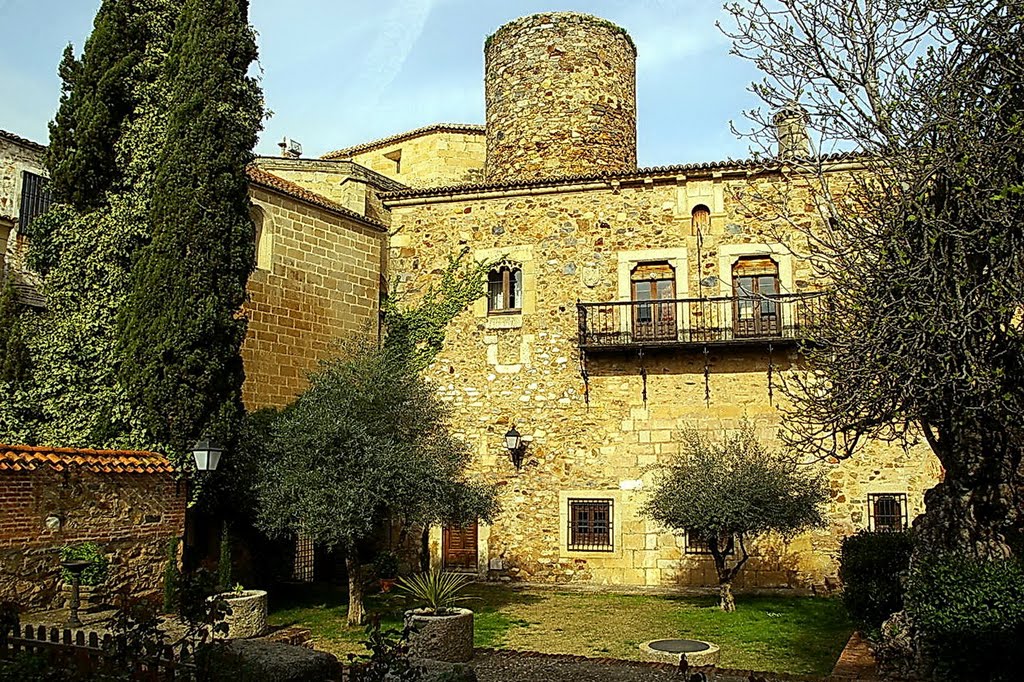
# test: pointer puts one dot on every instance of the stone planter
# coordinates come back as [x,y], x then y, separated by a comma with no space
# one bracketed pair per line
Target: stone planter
[248,613]
[441,638]
[91,597]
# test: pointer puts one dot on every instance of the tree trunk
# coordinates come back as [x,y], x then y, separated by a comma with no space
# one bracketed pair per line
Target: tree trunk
[356,613]
[976,510]
[726,600]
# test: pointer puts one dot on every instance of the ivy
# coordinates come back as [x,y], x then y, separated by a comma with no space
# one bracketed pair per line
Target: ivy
[417,332]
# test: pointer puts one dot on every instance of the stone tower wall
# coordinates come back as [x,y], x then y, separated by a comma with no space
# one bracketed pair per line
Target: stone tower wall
[561,98]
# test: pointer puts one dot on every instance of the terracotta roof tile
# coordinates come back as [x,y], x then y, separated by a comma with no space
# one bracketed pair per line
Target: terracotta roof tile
[29,458]
[21,140]
[729,164]
[472,128]
[260,177]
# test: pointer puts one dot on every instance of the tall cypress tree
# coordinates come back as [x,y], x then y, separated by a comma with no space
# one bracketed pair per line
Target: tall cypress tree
[181,330]
[86,252]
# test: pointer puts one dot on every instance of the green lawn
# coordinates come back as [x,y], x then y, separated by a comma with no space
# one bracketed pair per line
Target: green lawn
[780,634]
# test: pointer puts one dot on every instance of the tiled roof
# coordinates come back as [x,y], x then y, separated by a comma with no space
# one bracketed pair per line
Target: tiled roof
[472,128]
[21,140]
[741,164]
[260,177]
[29,458]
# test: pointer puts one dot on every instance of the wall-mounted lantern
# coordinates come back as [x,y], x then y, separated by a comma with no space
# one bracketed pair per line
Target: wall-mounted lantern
[207,454]
[515,446]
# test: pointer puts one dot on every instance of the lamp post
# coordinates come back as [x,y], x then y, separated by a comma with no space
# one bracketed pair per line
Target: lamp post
[515,446]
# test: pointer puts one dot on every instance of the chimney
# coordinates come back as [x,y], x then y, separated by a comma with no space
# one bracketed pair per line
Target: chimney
[791,131]
[290,149]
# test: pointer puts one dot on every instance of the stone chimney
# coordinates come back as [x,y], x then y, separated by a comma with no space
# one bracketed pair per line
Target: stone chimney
[791,131]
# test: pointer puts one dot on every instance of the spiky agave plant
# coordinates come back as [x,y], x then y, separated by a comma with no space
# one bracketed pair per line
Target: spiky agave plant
[437,591]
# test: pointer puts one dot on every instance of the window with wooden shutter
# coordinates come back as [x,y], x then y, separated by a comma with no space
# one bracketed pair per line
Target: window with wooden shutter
[700,220]
[654,311]
[755,282]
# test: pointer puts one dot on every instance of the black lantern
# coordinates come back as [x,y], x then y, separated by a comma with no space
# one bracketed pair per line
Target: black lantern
[207,454]
[515,446]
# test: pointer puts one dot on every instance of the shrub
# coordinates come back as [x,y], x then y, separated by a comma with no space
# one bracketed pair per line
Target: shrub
[386,565]
[436,591]
[96,572]
[870,566]
[969,616]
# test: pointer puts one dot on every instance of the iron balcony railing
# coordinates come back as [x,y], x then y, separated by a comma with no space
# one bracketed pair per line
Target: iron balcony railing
[723,320]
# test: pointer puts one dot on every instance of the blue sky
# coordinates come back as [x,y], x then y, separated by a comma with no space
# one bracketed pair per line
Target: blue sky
[341,72]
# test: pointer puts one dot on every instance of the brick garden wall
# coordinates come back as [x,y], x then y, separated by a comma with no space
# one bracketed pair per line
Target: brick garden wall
[131,516]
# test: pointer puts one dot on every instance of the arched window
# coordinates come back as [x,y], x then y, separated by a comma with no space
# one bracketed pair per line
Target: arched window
[700,220]
[755,287]
[262,237]
[505,289]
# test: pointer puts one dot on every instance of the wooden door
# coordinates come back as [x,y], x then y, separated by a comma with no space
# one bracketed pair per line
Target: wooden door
[459,547]
[755,304]
[654,310]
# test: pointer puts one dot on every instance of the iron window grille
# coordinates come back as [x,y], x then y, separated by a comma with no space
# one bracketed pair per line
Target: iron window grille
[696,545]
[590,525]
[887,512]
[35,200]
[303,569]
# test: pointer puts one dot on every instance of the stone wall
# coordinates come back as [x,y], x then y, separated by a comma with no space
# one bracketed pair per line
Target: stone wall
[580,243]
[561,98]
[131,516]
[434,159]
[321,284]
[16,157]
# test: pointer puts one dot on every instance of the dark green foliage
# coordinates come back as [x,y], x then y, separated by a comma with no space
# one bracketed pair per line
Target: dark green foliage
[969,615]
[388,657]
[14,358]
[171,575]
[181,328]
[385,565]
[96,573]
[224,560]
[870,566]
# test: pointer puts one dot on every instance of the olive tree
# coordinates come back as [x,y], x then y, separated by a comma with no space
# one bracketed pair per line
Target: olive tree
[726,492]
[368,441]
[919,240]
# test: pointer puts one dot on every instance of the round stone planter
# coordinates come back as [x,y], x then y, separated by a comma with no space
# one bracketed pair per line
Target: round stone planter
[698,653]
[248,613]
[441,638]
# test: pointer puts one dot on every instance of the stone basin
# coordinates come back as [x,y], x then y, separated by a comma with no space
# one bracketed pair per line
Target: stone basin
[697,652]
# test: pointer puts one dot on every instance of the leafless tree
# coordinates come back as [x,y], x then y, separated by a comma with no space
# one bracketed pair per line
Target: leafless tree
[921,236]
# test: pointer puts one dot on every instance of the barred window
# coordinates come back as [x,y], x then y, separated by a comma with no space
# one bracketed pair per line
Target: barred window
[590,525]
[887,512]
[698,545]
[35,200]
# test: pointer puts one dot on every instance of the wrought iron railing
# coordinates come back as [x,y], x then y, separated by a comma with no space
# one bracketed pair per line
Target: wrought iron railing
[698,321]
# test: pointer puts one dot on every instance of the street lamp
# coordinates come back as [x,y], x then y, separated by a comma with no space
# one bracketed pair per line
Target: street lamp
[207,454]
[515,446]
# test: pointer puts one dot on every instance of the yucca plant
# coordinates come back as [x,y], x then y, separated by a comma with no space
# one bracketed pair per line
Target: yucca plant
[437,591]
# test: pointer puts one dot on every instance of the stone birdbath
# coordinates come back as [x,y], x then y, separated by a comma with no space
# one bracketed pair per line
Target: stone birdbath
[696,652]
[75,568]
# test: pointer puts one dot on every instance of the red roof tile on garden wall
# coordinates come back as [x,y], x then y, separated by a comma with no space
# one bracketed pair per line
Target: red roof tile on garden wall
[28,458]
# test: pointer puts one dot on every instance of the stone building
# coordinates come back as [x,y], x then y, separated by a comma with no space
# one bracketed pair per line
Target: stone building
[625,305]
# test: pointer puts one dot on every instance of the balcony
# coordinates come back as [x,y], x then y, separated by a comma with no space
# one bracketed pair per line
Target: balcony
[696,323]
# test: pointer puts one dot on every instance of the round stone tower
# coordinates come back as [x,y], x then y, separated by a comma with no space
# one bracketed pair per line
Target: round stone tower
[561,98]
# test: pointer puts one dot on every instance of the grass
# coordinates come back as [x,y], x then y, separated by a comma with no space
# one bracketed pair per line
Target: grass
[779,633]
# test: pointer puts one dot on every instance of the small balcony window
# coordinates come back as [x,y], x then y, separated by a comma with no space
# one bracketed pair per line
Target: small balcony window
[887,512]
[755,284]
[590,525]
[699,546]
[35,200]
[505,289]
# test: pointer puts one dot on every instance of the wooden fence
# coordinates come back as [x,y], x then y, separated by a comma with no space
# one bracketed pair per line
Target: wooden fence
[84,654]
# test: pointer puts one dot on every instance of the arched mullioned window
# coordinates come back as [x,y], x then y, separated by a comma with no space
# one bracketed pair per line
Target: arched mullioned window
[700,220]
[262,237]
[505,288]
